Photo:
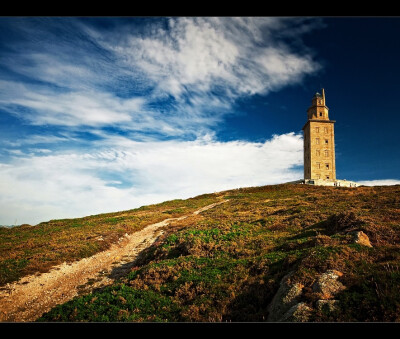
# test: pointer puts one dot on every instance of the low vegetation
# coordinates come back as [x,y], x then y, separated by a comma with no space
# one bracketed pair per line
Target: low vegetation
[228,264]
[29,249]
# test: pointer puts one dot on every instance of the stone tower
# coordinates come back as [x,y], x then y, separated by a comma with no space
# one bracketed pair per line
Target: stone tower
[319,142]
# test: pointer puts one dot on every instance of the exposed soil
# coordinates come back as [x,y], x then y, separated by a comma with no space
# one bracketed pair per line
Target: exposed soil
[31,296]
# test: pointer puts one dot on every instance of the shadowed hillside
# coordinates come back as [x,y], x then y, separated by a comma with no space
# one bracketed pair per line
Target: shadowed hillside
[274,253]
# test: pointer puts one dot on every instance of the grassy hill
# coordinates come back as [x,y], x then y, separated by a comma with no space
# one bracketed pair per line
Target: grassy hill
[267,250]
[27,250]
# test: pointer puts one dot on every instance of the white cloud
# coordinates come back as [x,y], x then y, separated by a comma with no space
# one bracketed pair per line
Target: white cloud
[37,139]
[379,182]
[15,151]
[69,109]
[40,150]
[175,77]
[54,67]
[38,188]
[202,54]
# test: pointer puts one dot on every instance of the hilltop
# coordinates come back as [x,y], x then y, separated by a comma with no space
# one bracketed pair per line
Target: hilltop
[273,253]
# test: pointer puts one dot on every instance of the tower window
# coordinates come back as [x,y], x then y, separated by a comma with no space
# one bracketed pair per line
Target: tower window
[326,129]
[318,165]
[317,141]
[327,176]
[326,153]
[327,166]
[320,114]
[318,153]
[317,129]
[318,176]
[326,141]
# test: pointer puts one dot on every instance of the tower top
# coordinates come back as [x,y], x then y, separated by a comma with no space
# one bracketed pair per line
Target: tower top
[317,95]
[318,109]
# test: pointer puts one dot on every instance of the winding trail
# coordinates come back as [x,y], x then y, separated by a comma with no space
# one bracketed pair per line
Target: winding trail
[31,296]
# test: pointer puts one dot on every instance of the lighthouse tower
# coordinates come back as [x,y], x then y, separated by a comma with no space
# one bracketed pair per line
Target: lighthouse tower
[319,142]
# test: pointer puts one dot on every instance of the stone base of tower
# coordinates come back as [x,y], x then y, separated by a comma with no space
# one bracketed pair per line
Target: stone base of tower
[327,182]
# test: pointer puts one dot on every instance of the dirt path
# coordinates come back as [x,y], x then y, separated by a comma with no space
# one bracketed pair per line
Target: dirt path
[31,296]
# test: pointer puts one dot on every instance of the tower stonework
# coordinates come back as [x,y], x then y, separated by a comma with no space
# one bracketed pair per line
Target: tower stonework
[319,142]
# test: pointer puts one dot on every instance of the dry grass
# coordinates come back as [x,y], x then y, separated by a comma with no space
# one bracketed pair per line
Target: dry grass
[35,249]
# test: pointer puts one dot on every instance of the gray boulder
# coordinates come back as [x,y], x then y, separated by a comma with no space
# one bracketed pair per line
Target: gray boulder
[287,296]
[327,284]
[297,313]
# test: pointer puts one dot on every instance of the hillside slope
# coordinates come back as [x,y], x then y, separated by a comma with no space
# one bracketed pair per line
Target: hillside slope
[28,250]
[274,253]
[31,296]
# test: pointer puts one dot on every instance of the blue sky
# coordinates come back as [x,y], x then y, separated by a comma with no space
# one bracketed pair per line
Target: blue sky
[106,114]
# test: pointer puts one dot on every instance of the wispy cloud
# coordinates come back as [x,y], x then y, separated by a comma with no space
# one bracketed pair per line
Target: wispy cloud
[71,108]
[181,75]
[226,55]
